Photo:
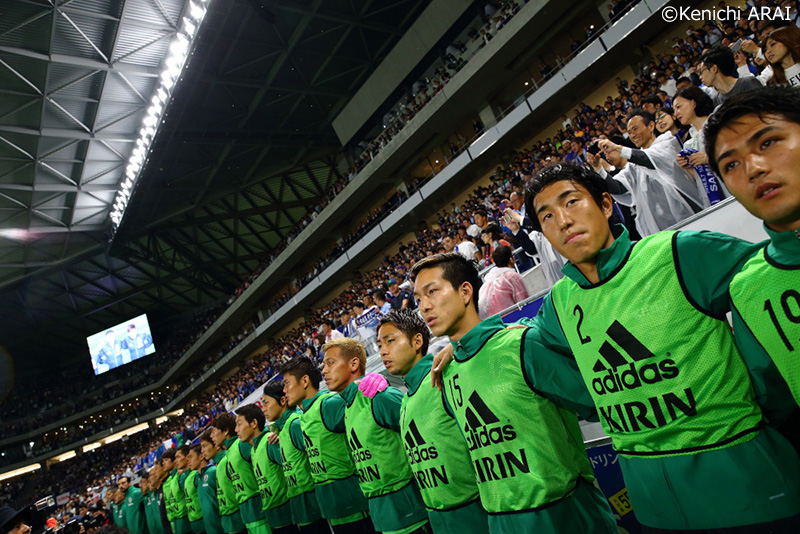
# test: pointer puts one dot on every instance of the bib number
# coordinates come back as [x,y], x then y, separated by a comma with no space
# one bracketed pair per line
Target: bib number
[790,303]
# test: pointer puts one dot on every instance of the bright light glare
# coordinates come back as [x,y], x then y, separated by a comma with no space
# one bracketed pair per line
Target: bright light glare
[173,66]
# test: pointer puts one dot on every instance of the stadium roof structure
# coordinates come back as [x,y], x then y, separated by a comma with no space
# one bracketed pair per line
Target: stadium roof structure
[243,151]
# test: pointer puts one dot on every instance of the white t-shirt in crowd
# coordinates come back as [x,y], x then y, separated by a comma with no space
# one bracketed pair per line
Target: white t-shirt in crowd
[793,75]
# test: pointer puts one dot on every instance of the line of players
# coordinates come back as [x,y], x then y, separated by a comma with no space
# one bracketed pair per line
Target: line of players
[691,411]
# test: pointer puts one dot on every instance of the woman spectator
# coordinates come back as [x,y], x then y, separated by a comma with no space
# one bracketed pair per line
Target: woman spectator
[782,50]
[492,237]
[666,122]
[692,108]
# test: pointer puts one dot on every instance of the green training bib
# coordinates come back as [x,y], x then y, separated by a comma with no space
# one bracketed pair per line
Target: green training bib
[194,513]
[767,296]
[666,378]
[296,468]
[269,476]
[436,450]
[226,493]
[527,453]
[327,451]
[377,451]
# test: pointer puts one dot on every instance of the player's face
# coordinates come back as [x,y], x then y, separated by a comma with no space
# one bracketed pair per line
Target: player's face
[572,221]
[19,527]
[294,390]
[217,437]
[208,449]
[243,429]
[442,306]
[110,338]
[271,408]
[396,350]
[337,369]
[132,333]
[167,464]
[180,460]
[192,461]
[124,484]
[759,160]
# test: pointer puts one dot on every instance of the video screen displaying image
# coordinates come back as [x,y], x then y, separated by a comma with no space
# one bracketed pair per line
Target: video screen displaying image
[120,344]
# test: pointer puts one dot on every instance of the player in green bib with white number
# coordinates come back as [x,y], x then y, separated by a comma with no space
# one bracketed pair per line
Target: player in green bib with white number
[266,458]
[241,468]
[223,433]
[372,429]
[753,143]
[645,323]
[527,452]
[321,433]
[207,486]
[194,463]
[174,495]
[435,447]
[299,484]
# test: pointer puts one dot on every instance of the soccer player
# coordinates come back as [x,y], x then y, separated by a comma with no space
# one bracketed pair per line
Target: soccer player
[753,143]
[240,469]
[195,462]
[267,467]
[173,487]
[372,428]
[153,501]
[207,487]
[532,470]
[118,508]
[133,506]
[320,433]
[299,484]
[646,326]
[223,434]
[434,445]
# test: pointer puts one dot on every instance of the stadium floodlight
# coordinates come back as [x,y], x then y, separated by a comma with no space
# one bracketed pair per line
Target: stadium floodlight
[174,64]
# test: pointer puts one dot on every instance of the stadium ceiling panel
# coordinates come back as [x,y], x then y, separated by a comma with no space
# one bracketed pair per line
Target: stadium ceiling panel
[245,149]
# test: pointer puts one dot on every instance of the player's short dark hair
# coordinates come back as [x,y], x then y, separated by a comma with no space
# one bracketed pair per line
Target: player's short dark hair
[126,477]
[274,389]
[646,116]
[131,327]
[722,57]
[109,331]
[206,436]
[169,454]
[196,449]
[251,413]
[456,269]
[704,106]
[184,450]
[410,324]
[578,174]
[225,422]
[501,256]
[301,366]
[780,100]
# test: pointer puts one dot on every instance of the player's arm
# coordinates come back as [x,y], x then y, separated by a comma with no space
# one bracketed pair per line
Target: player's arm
[296,434]
[549,366]
[246,451]
[332,411]
[706,263]
[386,408]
